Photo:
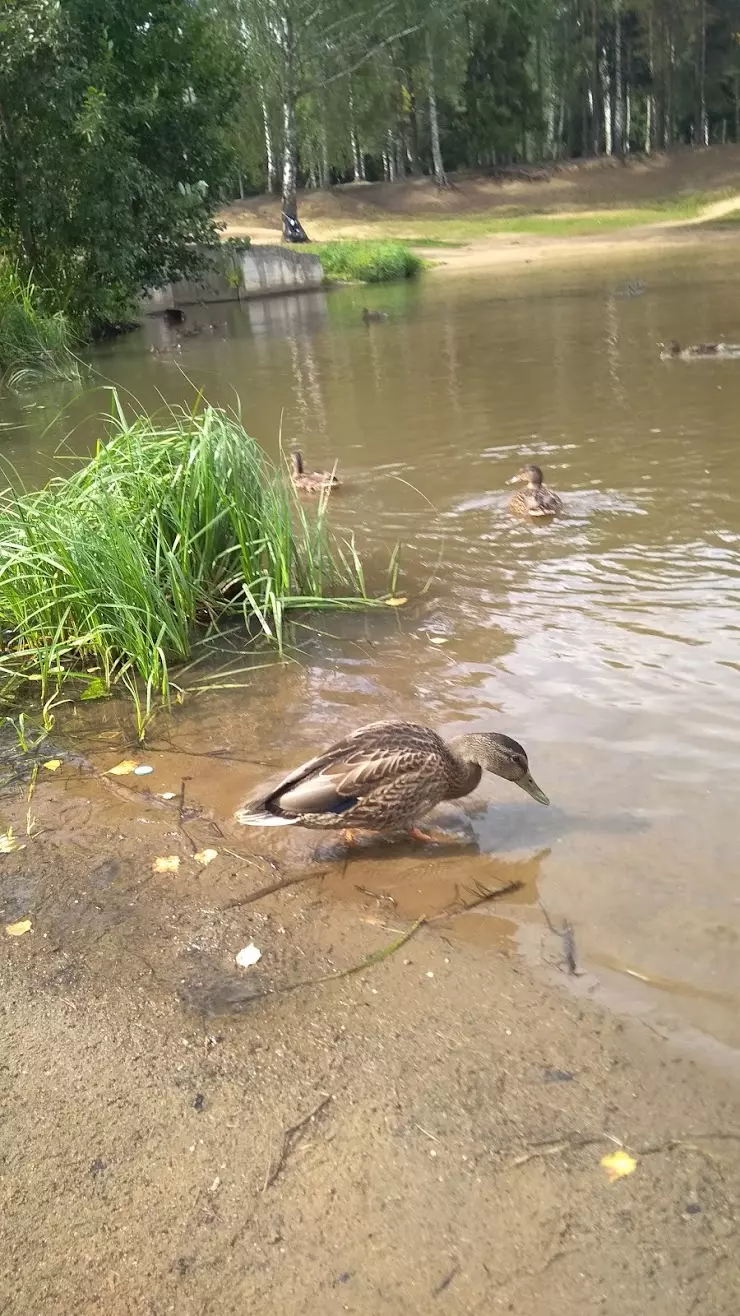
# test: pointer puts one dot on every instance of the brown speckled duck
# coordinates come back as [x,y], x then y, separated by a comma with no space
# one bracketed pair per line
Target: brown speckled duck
[310,481]
[384,778]
[373,317]
[536,499]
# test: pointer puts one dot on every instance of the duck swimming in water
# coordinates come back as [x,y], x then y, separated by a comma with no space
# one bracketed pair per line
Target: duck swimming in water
[373,317]
[310,481]
[385,777]
[700,351]
[536,499]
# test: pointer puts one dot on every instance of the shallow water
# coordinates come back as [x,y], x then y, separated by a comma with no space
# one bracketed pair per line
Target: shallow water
[608,642]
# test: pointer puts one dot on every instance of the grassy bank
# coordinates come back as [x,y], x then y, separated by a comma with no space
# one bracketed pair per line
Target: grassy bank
[111,576]
[33,344]
[368,262]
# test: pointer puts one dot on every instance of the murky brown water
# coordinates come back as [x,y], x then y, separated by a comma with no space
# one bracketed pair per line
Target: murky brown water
[608,642]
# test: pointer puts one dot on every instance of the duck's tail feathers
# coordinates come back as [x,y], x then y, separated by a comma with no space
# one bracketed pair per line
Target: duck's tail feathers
[248,818]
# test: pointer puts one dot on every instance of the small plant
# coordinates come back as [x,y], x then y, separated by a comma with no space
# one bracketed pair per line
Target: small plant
[368,262]
[167,531]
[32,342]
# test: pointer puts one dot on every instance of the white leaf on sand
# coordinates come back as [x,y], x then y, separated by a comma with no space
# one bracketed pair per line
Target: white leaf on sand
[167,795]
[18,929]
[9,842]
[123,768]
[617,1164]
[168,863]
[438,639]
[143,770]
[52,765]
[248,956]
[205,857]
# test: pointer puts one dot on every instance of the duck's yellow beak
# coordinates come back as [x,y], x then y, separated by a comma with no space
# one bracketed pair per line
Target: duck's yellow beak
[528,784]
[516,479]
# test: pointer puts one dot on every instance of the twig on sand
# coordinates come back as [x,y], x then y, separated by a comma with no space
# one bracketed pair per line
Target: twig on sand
[287,1143]
[484,894]
[281,884]
[445,1282]
[567,936]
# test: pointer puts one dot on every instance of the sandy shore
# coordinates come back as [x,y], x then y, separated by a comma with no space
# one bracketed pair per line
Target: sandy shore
[422,1135]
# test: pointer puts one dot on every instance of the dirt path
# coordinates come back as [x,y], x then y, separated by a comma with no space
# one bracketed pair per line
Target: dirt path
[422,1136]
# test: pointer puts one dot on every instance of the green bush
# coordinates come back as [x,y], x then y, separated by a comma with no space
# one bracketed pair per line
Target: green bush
[368,262]
[33,343]
[166,532]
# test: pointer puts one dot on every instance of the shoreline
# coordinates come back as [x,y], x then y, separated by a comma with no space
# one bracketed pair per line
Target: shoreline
[424,1132]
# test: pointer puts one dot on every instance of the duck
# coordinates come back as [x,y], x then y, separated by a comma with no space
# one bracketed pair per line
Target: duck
[385,777]
[675,351]
[310,481]
[373,317]
[536,499]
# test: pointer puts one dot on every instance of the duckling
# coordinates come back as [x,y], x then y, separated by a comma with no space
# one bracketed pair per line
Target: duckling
[373,317]
[310,481]
[536,499]
[385,777]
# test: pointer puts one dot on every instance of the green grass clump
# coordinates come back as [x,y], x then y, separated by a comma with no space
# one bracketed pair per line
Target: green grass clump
[111,576]
[368,262]
[33,344]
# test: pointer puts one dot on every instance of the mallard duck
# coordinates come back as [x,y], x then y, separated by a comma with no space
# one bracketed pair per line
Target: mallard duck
[385,777]
[373,317]
[536,499]
[310,481]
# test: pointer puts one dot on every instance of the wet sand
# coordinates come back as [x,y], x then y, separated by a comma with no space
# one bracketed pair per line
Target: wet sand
[424,1134]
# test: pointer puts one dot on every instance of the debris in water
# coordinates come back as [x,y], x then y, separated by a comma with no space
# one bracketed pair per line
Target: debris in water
[248,956]
[396,603]
[168,795]
[205,857]
[617,1164]
[123,768]
[18,929]
[168,863]
[438,639]
[9,842]
[52,765]
[143,770]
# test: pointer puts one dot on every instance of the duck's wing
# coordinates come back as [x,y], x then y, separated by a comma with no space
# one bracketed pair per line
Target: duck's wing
[354,767]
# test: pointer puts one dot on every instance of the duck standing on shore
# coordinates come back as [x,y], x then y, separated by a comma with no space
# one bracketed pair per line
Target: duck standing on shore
[536,499]
[385,777]
[310,481]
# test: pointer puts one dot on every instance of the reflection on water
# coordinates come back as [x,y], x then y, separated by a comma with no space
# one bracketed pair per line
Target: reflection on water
[608,642]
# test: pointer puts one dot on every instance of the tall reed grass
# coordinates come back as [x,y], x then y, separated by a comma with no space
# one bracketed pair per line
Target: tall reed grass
[33,343]
[368,262]
[110,575]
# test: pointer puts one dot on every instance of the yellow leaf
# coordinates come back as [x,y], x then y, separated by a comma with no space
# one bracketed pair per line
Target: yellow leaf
[9,842]
[123,768]
[396,603]
[205,857]
[17,929]
[52,765]
[617,1164]
[168,863]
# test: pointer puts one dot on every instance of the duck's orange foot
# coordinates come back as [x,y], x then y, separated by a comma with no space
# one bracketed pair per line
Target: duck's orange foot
[434,835]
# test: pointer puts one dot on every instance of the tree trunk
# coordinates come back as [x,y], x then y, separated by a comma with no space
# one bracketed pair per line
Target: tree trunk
[540,93]
[737,107]
[440,176]
[325,172]
[606,100]
[290,133]
[618,87]
[595,83]
[650,98]
[703,117]
[23,209]
[358,166]
[269,154]
[627,120]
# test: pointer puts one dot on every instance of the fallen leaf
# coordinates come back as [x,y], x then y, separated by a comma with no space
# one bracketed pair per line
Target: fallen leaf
[438,639]
[396,603]
[18,929]
[143,770]
[168,863]
[205,857]
[167,795]
[617,1164]
[123,768]
[52,765]
[248,956]
[9,842]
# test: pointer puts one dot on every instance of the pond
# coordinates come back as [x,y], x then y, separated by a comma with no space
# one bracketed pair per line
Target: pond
[608,642]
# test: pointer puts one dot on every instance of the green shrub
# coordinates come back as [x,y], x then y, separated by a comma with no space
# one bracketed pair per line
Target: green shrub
[368,262]
[33,343]
[167,531]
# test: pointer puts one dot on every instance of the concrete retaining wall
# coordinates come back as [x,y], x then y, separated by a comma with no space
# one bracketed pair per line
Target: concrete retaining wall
[241,274]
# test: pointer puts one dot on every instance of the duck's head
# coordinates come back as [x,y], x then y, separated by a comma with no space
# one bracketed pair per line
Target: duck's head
[296,462]
[674,348]
[502,756]
[531,475]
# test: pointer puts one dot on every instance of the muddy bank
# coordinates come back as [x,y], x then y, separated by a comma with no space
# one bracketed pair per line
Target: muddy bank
[159,1151]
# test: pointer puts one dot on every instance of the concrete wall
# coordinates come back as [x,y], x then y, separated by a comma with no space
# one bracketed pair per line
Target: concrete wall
[239,275]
